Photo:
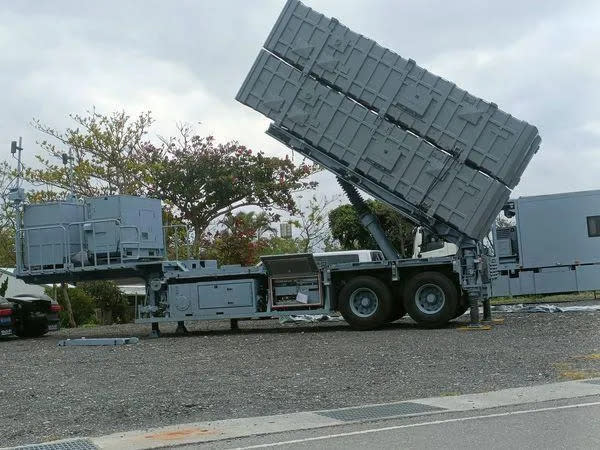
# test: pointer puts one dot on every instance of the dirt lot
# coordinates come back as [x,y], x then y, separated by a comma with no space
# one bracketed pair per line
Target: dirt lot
[50,392]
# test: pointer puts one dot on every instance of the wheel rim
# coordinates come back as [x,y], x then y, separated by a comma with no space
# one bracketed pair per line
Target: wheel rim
[364,302]
[430,298]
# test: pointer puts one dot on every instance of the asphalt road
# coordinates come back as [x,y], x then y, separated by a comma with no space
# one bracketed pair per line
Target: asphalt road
[572,424]
[49,392]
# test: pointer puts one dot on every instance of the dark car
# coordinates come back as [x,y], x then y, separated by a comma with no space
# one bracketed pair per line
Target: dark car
[28,315]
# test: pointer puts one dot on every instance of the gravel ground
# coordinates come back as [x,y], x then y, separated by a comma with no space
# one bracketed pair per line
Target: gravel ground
[49,392]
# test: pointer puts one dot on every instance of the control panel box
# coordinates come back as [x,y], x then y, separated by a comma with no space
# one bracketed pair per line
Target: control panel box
[294,281]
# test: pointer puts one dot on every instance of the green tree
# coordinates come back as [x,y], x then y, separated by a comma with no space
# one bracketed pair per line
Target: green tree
[311,222]
[3,287]
[7,234]
[110,155]
[346,228]
[7,247]
[201,180]
[108,297]
[239,242]
[81,304]
[280,246]
[261,222]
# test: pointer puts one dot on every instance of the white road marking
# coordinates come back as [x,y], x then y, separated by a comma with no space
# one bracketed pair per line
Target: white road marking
[420,424]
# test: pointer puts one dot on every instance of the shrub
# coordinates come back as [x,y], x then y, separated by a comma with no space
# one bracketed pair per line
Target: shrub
[108,297]
[81,303]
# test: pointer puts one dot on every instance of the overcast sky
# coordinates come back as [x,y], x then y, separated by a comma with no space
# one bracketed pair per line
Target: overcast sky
[185,60]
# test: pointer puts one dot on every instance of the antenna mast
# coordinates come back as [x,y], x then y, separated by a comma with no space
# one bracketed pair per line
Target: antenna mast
[17,196]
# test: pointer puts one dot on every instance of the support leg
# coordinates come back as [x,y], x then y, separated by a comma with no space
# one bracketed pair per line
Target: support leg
[475,323]
[181,329]
[487,311]
[474,312]
[155,333]
[234,324]
[487,314]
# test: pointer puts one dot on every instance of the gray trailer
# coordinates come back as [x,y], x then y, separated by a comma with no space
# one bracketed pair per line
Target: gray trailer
[553,247]
[442,157]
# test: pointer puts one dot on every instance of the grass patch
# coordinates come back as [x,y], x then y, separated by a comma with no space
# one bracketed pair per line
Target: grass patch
[590,357]
[558,298]
[578,374]
[579,367]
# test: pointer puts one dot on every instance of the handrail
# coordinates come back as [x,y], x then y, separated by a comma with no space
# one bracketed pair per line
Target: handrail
[121,242]
[66,243]
[25,232]
[81,224]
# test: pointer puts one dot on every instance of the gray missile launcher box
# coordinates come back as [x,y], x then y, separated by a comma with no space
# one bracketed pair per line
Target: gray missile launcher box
[397,160]
[474,130]
[447,156]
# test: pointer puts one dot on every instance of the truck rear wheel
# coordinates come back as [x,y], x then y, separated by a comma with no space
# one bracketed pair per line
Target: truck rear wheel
[430,298]
[460,310]
[365,302]
[398,312]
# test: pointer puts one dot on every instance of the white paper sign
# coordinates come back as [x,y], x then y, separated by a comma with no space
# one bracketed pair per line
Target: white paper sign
[302,298]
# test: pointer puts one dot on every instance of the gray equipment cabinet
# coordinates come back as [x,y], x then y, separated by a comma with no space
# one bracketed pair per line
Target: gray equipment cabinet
[48,238]
[294,282]
[213,299]
[124,226]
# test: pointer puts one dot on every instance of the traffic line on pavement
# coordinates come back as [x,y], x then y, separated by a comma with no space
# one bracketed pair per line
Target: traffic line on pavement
[415,425]
[203,432]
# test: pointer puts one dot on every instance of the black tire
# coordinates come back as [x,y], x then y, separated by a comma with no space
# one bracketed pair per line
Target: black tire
[430,298]
[31,331]
[398,312]
[375,312]
[460,310]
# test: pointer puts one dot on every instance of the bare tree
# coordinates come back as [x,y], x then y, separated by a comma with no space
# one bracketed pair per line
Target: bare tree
[313,224]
